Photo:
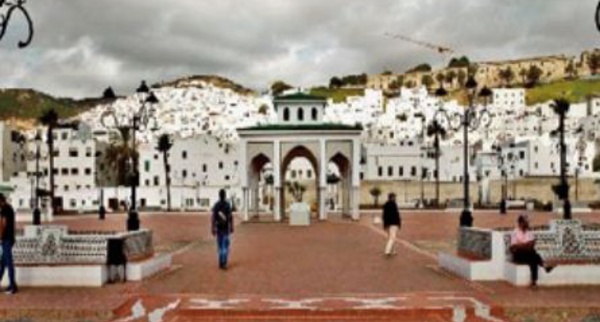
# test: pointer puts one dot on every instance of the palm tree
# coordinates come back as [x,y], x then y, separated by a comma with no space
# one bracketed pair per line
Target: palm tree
[164,146]
[375,193]
[50,119]
[507,75]
[436,130]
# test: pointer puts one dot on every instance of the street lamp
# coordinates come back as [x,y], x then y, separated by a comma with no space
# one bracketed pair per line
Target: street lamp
[141,117]
[15,5]
[470,120]
[505,162]
[561,107]
[37,218]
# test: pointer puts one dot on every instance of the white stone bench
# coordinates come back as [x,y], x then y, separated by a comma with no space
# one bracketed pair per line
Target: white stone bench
[578,251]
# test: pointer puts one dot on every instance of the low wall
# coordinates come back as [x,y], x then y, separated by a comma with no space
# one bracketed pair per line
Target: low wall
[55,245]
[475,243]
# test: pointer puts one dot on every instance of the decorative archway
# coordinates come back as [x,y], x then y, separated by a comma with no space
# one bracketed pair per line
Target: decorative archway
[257,167]
[299,151]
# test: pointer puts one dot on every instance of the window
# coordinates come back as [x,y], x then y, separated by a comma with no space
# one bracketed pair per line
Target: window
[66,188]
[64,136]
[156,157]
[55,171]
[147,165]
[380,171]
[204,168]
[184,155]
[56,153]
[156,181]
[147,183]
[315,114]
[522,155]
[78,187]
[293,174]
[88,152]
[64,171]
[309,173]
[227,178]
[401,171]
[221,165]
[413,171]
[300,114]
[88,171]
[184,173]
[73,152]
[390,171]
[535,165]
[75,171]
[286,114]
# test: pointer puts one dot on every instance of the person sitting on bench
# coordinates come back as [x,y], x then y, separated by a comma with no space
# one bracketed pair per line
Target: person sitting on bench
[522,247]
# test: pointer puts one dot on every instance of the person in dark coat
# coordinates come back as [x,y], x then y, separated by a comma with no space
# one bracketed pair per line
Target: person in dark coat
[222,227]
[391,223]
[7,235]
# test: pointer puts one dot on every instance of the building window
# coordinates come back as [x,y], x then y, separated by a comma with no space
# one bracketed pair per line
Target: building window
[380,171]
[184,173]
[147,165]
[390,171]
[221,165]
[286,114]
[293,174]
[73,152]
[147,183]
[315,114]
[88,171]
[65,136]
[156,181]
[300,114]
[66,188]
[413,171]
[309,173]
[522,155]
[535,165]
[204,168]
[88,152]
[227,178]
[184,155]
[401,171]
[64,171]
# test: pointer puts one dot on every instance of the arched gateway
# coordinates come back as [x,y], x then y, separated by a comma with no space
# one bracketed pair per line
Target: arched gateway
[300,132]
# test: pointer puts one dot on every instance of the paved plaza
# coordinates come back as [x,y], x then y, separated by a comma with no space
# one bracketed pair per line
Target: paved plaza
[333,270]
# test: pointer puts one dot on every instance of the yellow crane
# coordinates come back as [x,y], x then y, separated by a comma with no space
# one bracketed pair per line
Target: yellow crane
[440,49]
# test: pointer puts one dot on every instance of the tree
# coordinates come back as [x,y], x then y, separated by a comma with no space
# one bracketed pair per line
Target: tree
[506,75]
[533,75]
[421,68]
[375,192]
[436,131]
[459,62]
[335,82]
[596,164]
[50,120]
[409,84]
[523,74]
[427,81]
[263,109]
[571,70]
[119,156]
[279,87]
[450,77]
[387,72]
[594,63]
[440,77]
[164,146]
[297,190]
[462,77]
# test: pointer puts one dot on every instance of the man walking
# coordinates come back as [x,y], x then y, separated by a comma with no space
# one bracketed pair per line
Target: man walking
[7,231]
[391,223]
[222,227]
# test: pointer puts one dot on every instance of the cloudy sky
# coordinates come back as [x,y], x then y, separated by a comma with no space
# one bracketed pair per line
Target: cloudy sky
[82,46]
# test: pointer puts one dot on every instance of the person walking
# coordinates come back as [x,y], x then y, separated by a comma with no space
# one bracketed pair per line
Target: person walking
[222,227]
[391,223]
[522,248]
[7,231]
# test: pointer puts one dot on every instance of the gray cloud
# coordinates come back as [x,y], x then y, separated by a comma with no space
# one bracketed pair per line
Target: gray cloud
[82,46]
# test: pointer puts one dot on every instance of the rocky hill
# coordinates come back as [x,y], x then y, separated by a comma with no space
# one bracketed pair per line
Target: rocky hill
[198,81]
[27,105]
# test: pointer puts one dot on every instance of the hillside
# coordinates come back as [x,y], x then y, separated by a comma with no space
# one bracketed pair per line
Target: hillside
[573,90]
[198,80]
[28,104]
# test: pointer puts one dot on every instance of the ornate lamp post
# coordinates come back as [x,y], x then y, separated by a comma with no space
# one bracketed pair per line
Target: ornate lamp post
[15,6]
[505,162]
[470,120]
[561,107]
[37,218]
[141,117]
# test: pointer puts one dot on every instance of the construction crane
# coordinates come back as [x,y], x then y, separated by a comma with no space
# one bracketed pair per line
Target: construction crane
[440,49]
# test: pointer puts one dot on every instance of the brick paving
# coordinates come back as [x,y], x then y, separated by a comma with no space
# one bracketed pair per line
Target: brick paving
[334,259]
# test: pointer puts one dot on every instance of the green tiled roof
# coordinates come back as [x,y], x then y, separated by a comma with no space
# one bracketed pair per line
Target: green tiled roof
[300,97]
[303,127]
